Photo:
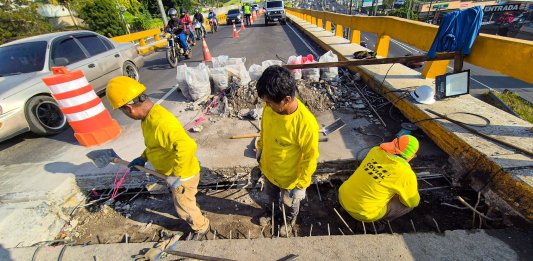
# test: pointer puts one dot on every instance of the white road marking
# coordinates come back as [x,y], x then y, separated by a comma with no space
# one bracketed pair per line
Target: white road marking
[167,94]
[303,41]
[404,46]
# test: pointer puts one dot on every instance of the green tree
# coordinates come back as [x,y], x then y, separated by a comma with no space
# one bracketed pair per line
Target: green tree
[103,17]
[402,12]
[19,19]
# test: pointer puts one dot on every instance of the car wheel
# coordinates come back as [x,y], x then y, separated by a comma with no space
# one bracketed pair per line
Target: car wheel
[44,116]
[129,69]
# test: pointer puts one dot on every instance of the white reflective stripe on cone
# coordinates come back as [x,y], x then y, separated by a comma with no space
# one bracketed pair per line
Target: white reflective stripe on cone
[79,116]
[69,86]
[74,101]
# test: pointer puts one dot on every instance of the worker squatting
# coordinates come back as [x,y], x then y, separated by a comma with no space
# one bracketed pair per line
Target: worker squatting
[382,188]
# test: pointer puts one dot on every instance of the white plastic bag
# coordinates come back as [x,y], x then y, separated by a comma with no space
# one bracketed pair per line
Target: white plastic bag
[181,77]
[220,61]
[232,61]
[255,72]
[312,74]
[239,71]
[329,73]
[220,78]
[198,81]
[296,73]
[269,63]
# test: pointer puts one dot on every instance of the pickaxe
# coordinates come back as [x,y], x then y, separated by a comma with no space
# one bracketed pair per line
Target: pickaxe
[102,158]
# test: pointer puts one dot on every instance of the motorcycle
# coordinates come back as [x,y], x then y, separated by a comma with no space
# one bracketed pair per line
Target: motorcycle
[174,51]
[198,30]
[214,25]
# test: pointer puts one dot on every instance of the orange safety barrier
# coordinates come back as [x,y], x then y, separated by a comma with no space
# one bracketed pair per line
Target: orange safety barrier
[235,34]
[207,54]
[85,113]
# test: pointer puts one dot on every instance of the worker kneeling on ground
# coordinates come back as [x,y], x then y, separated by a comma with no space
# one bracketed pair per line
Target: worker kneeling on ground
[384,187]
[288,146]
[168,147]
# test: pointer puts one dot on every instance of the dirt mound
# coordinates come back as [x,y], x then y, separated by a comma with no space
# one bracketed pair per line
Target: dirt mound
[242,99]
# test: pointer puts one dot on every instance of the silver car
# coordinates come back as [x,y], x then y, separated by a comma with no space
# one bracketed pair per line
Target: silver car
[25,101]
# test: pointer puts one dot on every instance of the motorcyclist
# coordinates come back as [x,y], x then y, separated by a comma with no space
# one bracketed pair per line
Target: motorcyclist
[176,26]
[187,22]
[200,18]
[213,15]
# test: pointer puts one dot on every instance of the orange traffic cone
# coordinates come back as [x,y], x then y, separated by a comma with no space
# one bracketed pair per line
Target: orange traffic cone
[207,54]
[251,21]
[242,26]
[235,34]
[254,15]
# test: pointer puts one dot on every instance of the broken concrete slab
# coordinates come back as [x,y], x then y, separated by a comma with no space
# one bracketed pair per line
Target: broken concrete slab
[452,245]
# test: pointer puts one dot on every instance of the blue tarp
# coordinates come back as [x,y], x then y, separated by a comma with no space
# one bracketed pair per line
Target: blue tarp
[457,31]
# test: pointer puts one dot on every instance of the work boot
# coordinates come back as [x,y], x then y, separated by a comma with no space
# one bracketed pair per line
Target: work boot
[201,235]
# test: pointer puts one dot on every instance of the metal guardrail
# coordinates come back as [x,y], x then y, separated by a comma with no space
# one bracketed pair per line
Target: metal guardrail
[505,55]
[159,39]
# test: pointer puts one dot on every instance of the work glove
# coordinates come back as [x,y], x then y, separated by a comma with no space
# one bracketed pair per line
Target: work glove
[136,162]
[297,193]
[173,181]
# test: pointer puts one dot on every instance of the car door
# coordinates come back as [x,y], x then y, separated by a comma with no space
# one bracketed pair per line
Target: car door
[105,59]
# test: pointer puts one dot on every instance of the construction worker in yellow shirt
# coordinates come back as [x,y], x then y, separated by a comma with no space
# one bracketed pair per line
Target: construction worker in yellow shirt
[288,145]
[168,148]
[384,187]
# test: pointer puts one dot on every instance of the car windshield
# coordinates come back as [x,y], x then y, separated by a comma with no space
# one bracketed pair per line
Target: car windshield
[233,11]
[22,58]
[274,4]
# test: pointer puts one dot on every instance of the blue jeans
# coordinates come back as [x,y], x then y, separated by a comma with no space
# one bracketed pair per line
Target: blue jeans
[191,29]
[183,40]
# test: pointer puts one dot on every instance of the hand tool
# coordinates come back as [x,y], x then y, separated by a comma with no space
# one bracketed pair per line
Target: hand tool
[103,157]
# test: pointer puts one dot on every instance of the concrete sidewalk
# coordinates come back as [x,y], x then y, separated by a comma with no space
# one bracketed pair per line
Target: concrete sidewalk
[452,245]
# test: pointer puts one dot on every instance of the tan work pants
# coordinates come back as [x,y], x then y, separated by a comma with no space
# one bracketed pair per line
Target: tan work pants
[395,209]
[185,202]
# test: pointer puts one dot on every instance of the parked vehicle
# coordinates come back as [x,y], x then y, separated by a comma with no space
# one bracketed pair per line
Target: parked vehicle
[275,11]
[234,16]
[25,101]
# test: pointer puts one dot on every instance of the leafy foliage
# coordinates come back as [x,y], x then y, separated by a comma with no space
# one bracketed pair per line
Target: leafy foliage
[402,12]
[19,19]
[103,17]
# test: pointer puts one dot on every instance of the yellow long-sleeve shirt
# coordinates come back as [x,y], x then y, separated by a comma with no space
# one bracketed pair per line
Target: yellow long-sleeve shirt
[379,177]
[168,147]
[289,146]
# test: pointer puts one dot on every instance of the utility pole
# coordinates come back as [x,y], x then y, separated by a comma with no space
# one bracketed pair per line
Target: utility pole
[162,10]
[409,9]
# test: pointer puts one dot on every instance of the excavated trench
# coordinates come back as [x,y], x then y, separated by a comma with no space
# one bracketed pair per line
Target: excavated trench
[233,200]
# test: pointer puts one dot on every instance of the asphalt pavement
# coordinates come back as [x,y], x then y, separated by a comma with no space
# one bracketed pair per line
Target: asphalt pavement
[257,43]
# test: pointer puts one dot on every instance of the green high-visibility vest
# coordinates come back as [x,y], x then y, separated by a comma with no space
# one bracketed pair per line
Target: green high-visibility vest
[247,9]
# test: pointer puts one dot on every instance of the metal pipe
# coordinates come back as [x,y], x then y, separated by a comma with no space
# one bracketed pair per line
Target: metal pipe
[374,226]
[311,230]
[364,227]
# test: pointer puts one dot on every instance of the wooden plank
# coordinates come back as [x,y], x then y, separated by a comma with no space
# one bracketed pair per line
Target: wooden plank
[403,59]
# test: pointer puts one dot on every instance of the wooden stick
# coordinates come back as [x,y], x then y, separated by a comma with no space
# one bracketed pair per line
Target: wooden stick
[245,136]
[273,219]
[403,59]
[364,227]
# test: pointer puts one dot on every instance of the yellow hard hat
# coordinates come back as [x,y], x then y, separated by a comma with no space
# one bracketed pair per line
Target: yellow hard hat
[122,89]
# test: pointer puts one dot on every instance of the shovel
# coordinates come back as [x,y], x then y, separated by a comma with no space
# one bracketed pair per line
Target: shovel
[335,126]
[102,158]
